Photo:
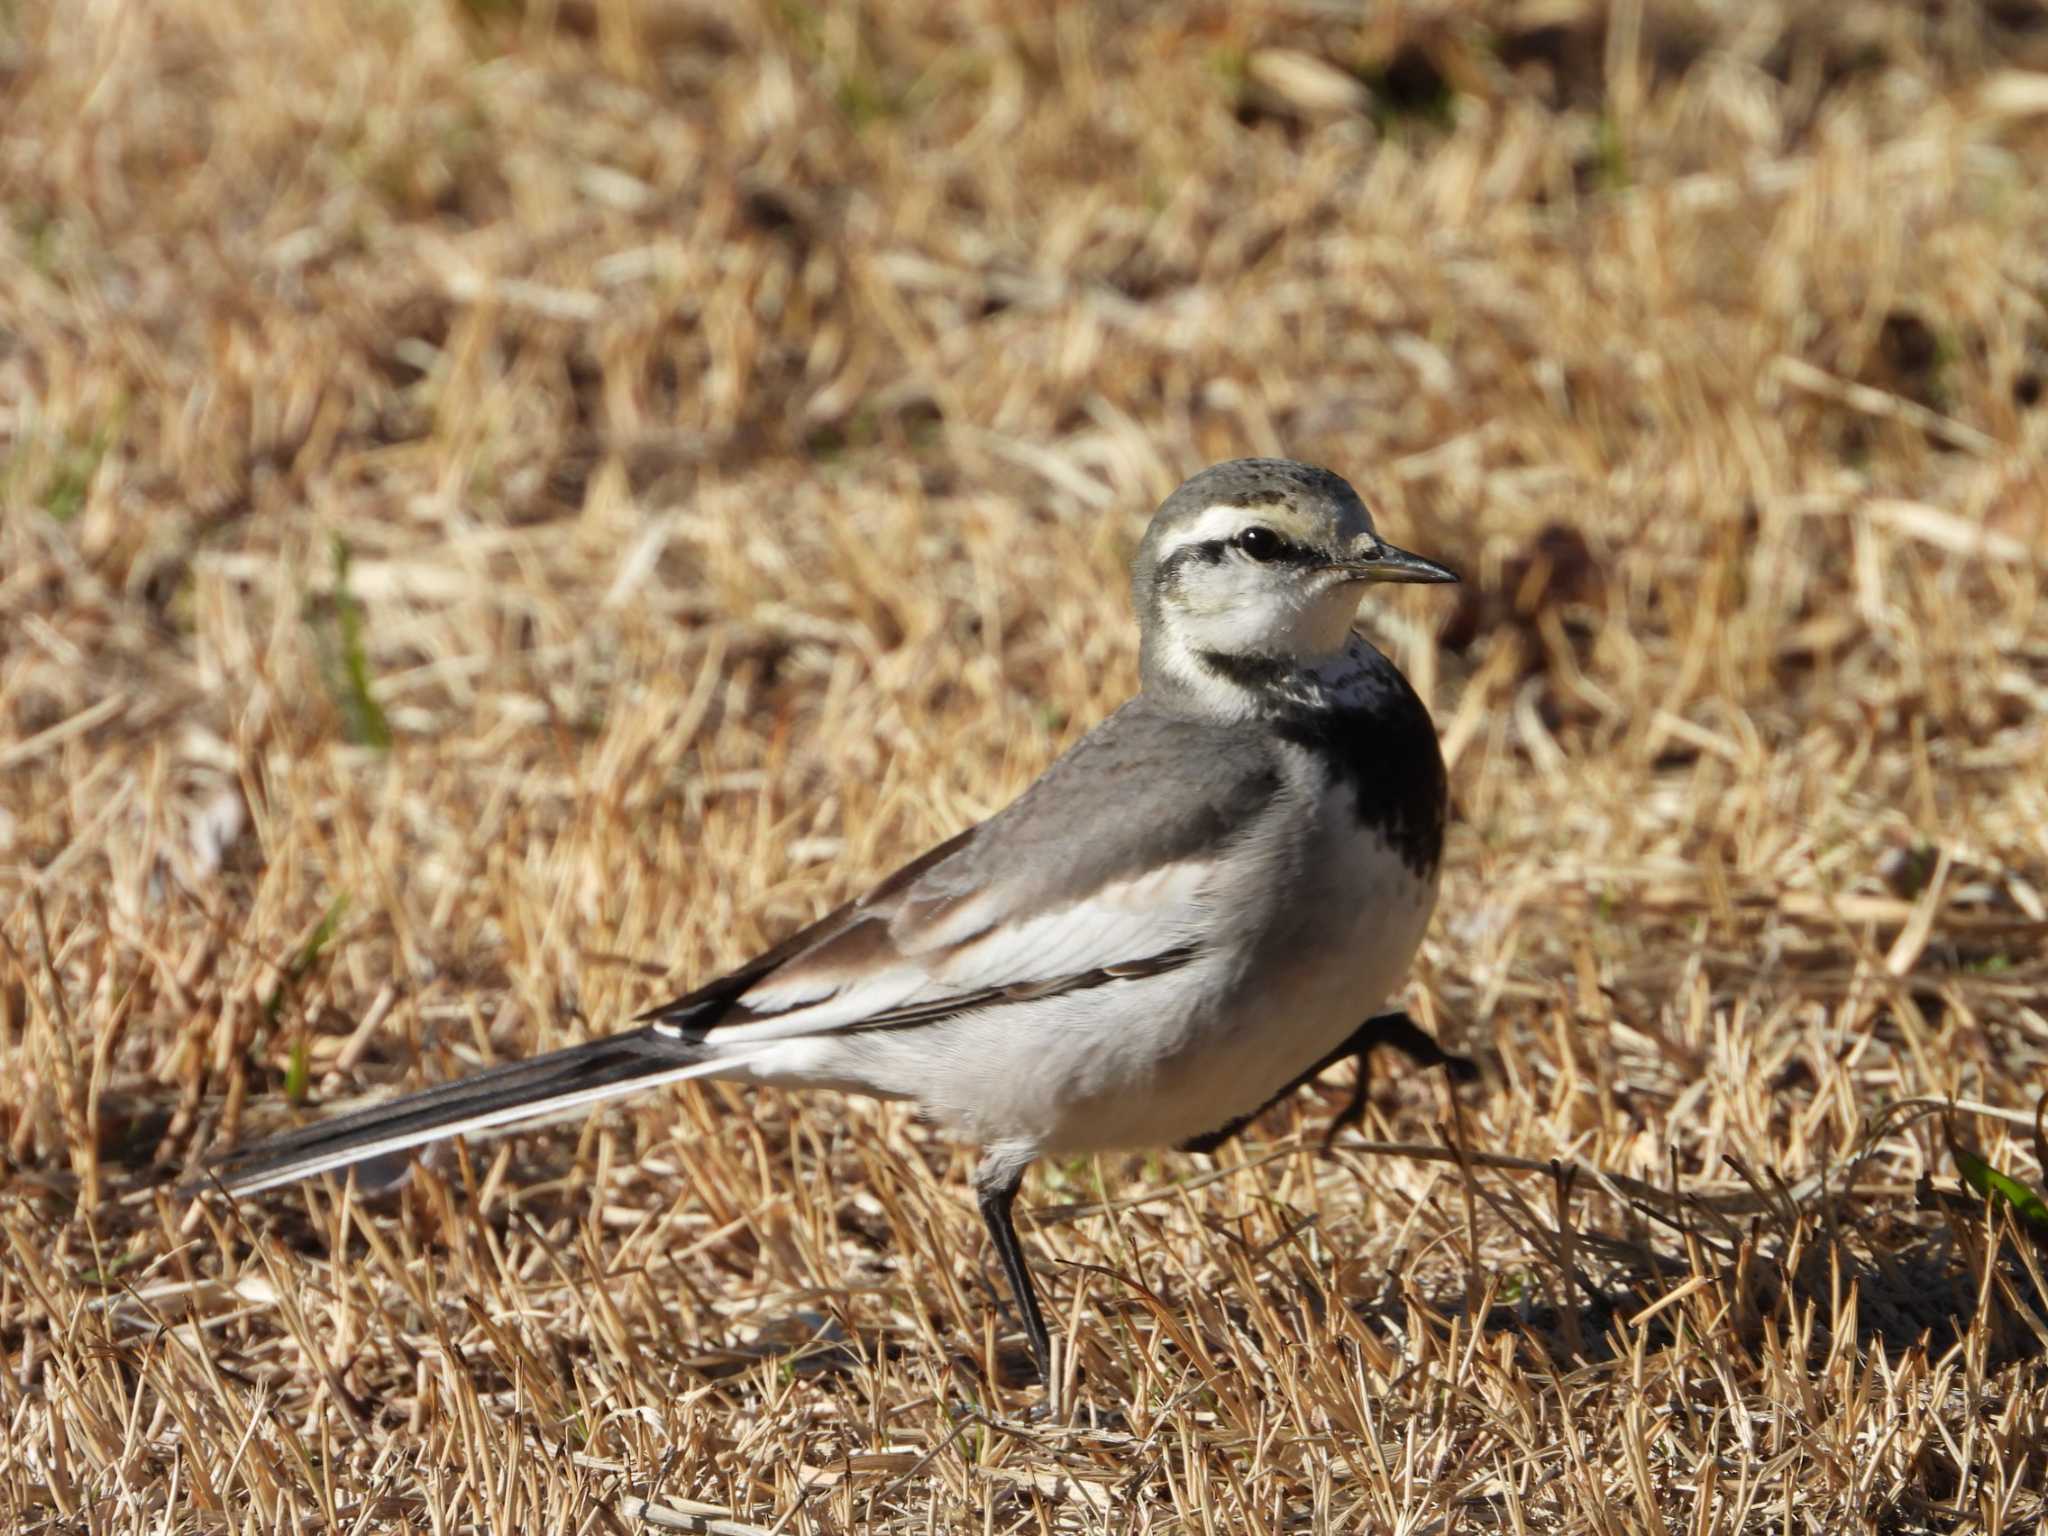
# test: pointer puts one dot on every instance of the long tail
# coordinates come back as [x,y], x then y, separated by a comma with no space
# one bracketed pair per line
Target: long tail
[498,1097]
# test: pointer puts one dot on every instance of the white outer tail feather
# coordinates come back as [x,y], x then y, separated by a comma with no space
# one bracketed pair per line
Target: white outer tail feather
[505,1118]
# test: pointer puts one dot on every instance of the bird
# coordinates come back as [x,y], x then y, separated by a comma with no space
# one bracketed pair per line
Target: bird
[1198,908]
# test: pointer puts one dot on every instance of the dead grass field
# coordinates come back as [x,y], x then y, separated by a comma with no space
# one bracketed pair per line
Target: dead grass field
[508,507]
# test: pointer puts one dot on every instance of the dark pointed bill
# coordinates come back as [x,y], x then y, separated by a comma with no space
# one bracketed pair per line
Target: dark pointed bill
[1391,564]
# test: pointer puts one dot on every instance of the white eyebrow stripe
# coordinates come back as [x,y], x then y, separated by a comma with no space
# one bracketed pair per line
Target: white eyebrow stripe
[1217,522]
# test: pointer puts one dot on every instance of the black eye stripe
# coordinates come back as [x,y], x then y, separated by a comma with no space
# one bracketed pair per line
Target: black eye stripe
[1283,550]
[1218,551]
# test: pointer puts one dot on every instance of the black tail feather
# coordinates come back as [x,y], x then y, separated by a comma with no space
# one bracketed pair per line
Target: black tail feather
[513,1094]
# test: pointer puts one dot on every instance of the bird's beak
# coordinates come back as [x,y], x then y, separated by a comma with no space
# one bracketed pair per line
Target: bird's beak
[1379,561]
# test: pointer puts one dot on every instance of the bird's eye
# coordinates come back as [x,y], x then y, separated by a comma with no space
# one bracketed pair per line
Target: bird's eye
[1260,543]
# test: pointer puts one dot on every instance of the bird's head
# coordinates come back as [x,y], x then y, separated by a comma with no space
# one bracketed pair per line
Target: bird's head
[1257,563]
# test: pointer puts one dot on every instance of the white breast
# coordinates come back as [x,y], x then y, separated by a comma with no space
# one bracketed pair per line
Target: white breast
[1349,932]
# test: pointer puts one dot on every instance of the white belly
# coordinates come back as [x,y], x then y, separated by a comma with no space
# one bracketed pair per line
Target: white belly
[1334,964]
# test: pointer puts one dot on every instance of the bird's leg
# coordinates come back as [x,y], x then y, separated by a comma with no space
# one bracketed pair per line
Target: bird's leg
[995,1185]
[1405,1036]
[1395,1029]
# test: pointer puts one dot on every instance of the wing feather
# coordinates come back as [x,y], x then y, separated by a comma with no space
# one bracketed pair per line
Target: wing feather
[1064,889]
[910,978]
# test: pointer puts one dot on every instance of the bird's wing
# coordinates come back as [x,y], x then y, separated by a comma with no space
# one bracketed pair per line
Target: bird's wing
[1107,867]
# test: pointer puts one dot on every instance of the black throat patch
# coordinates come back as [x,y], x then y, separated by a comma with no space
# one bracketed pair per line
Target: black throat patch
[1381,742]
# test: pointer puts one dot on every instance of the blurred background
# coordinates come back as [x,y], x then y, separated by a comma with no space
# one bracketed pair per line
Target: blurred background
[509,506]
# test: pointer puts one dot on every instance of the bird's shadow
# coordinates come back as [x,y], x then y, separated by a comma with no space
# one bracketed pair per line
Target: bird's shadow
[1921,1281]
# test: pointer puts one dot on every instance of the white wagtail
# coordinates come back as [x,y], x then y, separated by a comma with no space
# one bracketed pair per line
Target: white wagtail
[1185,919]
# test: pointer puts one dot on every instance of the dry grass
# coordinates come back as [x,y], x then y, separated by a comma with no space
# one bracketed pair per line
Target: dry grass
[736,425]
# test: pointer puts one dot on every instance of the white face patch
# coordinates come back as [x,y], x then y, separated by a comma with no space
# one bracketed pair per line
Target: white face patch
[1243,608]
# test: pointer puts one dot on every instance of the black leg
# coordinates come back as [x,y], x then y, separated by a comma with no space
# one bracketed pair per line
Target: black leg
[1407,1037]
[1395,1029]
[995,1185]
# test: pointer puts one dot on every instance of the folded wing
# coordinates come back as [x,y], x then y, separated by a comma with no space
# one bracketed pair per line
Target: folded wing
[1093,874]
[893,960]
